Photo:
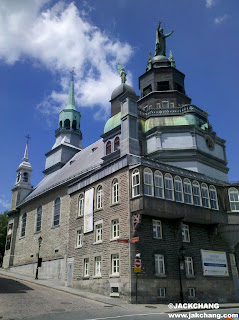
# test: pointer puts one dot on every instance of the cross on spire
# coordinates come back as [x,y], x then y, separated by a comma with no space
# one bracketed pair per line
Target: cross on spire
[28,138]
[72,73]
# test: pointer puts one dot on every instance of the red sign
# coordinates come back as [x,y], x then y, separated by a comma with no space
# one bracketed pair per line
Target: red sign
[137,263]
[134,240]
[123,240]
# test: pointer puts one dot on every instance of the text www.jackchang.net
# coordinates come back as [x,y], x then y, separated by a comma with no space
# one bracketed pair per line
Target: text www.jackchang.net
[203,315]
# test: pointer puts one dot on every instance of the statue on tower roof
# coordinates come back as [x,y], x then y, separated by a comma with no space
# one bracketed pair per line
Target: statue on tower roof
[160,45]
[121,72]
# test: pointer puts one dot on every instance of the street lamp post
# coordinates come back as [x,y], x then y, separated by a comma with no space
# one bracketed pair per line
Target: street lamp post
[38,256]
[181,267]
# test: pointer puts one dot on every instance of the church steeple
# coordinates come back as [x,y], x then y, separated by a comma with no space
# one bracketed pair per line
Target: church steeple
[68,135]
[22,185]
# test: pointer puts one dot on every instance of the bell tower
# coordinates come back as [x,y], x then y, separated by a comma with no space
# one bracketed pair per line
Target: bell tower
[22,185]
[68,135]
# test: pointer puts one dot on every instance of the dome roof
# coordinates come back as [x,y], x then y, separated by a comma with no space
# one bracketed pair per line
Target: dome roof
[113,122]
[122,88]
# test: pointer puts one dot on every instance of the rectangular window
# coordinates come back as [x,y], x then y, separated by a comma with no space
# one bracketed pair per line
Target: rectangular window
[86,267]
[161,292]
[97,266]
[191,292]
[115,264]
[185,233]
[98,232]
[79,238]
[189,266]
[159,264]
[157,229]
[115,228]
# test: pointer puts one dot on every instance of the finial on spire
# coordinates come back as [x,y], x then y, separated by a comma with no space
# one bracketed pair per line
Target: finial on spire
[121,72]
[171,59]
[72,73]
[25,157]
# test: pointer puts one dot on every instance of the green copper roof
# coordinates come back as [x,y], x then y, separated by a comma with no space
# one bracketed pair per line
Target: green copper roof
[113,122]
[71,97]
[188,119]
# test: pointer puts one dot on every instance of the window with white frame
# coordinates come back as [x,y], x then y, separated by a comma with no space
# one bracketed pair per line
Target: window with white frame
[161,292]
[98,232]
[187,191]
[38,219]
[98,266]
[81,205]
[189,266]
[86,267]
[196,194]
[213,197]
[157,229]
[115,263]
[148,182]
[23,225]
[115,229]
[79,238]
[205,196]
[99,195]
[159,264]
[56,213]
[165,104]
[191,292]
[115,191]
[178,188]
[185,233]
[234,199]
[158,184]
[135,183]
[168,182]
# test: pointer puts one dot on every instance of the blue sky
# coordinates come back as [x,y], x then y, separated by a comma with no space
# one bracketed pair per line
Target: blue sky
[41,40]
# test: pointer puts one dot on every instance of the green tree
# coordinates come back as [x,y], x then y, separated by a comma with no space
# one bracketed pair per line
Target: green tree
[3,232]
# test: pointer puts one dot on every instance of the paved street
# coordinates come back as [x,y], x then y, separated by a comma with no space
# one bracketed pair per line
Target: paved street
[20,299]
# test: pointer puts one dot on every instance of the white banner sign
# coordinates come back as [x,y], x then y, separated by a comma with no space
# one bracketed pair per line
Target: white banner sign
[214,263]
[88,210]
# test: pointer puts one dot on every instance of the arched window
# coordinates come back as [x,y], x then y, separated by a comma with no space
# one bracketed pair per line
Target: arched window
[135,183]
[196,194]
[148,182]
[116,143]
[67,124]
[158,184]
[178,189]
[74,125]
[108,147]
[115,191]
[213,197]
[99,194]
[234,199]
[81,205]
[187,191]
[57,209]
[23,225]
[165,104]
[25,176]
[168,182]
[38,219]
[60,124]
[205,196]
[18,176]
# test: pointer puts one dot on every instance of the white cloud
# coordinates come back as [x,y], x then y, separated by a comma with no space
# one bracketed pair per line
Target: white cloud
[219,20]
[4,203]
[60,37]
[210,3]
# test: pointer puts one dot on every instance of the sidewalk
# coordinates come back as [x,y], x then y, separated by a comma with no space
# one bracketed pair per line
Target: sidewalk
[54,284]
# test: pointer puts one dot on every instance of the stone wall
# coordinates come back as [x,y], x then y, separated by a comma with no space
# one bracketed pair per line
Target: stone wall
[108,246]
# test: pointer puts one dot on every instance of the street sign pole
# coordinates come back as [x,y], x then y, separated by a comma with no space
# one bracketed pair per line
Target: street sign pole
[136,288]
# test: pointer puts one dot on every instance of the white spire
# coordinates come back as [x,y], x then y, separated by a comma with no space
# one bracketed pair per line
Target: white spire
[25,158]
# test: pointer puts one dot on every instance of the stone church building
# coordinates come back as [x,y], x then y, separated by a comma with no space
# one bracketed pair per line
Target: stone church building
[154,188]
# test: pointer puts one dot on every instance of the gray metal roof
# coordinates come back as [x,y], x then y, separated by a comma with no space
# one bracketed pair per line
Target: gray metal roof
[83,162]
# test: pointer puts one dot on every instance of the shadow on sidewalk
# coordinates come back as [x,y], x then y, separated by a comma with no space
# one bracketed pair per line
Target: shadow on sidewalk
[12,286]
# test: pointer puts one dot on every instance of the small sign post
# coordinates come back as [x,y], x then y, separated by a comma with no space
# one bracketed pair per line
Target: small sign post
[137,269]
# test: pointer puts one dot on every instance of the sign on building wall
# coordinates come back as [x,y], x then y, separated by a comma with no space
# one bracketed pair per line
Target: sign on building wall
[214,263]
[88,210]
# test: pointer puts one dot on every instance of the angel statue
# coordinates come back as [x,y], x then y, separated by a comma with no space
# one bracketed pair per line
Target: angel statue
[121,72]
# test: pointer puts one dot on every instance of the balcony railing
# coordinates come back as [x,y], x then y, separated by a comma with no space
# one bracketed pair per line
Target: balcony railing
[188,108]
[66,129]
